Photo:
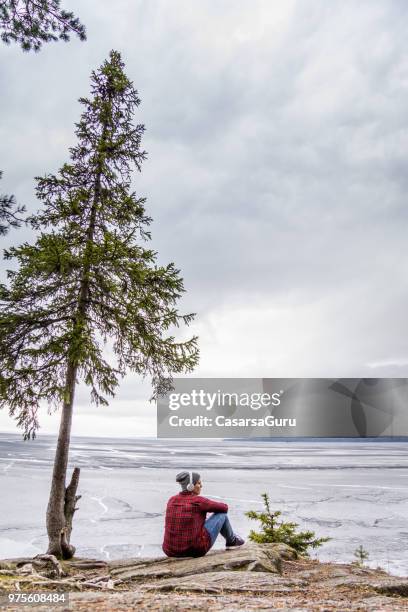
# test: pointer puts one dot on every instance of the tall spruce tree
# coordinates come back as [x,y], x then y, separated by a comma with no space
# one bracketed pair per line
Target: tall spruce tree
[34,22]
[88,280]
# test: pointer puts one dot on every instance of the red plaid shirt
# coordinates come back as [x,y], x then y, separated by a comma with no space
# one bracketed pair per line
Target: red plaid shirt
[184,532]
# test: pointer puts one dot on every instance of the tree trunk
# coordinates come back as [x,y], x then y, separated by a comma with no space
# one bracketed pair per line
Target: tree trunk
[61,504]
[71,499]
[60,507]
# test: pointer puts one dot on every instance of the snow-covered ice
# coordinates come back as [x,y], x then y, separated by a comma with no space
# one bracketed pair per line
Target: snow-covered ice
[355,491]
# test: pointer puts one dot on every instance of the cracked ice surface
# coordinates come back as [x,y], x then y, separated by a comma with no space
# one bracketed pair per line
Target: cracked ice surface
[355,491]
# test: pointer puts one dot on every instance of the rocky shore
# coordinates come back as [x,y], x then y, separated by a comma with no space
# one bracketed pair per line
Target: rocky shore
[253,577]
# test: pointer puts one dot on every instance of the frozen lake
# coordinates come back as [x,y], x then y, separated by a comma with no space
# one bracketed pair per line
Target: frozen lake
[356,492]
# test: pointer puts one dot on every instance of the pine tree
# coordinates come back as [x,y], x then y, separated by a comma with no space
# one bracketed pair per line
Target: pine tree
[34,22]
[89,279]
[274,531]
[361,555]
[9,213]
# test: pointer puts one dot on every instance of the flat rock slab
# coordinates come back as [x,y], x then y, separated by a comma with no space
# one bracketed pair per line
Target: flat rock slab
[250,557]
[251,578]
[229,582]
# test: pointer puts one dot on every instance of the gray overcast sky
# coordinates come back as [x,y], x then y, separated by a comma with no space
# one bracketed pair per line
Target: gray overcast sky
[276,176]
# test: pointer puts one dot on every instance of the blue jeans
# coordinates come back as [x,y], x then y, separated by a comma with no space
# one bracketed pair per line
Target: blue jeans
[219,523]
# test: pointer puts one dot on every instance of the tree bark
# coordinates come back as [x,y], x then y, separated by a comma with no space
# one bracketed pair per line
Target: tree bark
[71,499]
[58,539]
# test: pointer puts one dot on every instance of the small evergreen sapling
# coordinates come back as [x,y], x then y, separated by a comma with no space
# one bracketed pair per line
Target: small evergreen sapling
[361,555]
[274,531]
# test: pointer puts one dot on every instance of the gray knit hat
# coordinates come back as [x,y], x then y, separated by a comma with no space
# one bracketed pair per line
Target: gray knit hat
[187,480]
